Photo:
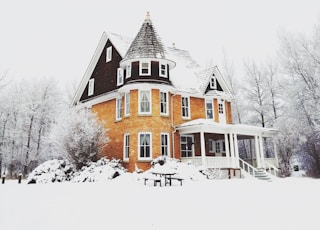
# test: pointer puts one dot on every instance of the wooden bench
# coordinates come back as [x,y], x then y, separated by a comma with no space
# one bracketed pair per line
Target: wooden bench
[155,180]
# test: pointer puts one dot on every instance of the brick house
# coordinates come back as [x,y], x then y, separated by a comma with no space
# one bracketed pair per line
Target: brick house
[157,101]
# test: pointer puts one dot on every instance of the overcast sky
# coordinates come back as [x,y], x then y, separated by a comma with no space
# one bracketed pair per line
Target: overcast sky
[58,38]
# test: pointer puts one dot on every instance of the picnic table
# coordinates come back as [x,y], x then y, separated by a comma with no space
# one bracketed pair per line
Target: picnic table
[168,176]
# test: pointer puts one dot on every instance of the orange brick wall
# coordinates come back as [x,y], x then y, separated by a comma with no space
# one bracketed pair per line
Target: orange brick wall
[156,124]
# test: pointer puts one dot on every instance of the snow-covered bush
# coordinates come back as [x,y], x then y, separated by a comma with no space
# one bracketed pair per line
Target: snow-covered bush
[102,170]
[51,171]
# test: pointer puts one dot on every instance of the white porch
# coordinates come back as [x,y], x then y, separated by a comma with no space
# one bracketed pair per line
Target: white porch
[230,135]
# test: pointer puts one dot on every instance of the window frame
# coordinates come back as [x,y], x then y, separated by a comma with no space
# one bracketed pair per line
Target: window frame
[128,70]
[166,146]
[143,158]
[165,69]
[140,102]
[207,101]
[120,77]
[213,82]
[109,54]
[126,146]
[166,104]
[119,109]
[185,108]
[91,87]
[186,143]
[148,69]
[127,104]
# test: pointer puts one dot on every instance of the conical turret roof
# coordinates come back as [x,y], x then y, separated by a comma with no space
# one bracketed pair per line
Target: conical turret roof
[146,44]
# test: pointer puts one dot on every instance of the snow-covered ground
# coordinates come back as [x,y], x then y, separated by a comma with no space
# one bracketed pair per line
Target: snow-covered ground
[126,203]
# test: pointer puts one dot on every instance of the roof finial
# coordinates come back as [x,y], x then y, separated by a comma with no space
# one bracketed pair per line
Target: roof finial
[148,15]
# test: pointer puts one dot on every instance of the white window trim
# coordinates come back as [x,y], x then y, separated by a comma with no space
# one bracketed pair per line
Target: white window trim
[128,70]
[213,144]
[125,147]
[167,103]
[149,68]
[192,148]
[120,77]
[144,158]
[165,69]
[139,102]
[213,82]
[91,87]
[118,115]
[168,143]
[189,116]
[127,104]
[109,54]
[209,100]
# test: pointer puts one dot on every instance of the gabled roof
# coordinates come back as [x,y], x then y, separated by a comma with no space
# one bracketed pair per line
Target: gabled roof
[146,44]
[205,75]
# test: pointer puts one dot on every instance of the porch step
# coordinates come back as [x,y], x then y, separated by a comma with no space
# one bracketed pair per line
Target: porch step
[261,174]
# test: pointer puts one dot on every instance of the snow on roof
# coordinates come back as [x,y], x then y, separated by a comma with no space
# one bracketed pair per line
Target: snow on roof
[121,43]
[146,44]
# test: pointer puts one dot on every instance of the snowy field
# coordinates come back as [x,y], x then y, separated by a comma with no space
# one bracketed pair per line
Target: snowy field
[126,202]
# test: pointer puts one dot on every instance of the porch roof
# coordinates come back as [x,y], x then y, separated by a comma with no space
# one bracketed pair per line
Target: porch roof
[209,126]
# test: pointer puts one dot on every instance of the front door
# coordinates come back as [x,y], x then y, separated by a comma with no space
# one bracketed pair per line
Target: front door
[222,111]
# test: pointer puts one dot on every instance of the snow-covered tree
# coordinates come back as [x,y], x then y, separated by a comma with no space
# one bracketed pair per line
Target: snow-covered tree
[80,136]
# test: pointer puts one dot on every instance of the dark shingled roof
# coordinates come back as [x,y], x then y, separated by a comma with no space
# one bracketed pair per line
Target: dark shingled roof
[146,44]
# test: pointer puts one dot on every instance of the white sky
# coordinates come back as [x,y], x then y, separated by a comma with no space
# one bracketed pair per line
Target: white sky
[57,38]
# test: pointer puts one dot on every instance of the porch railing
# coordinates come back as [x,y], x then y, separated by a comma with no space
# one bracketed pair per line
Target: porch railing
[248,168]
[212,162]
[270,168]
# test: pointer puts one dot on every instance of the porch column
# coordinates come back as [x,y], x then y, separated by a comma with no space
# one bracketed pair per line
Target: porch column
[203,149]
[236,148]
[226,143]
[232,149]
[261,151]
[257,150]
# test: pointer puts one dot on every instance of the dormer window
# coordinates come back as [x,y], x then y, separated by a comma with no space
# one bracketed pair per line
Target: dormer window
[128,70]
[119,76]
[109,54]
[213,82]
[145,68]
[162,70]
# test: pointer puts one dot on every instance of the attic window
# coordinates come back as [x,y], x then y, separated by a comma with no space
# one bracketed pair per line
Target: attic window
[145,68]
[213,82]
[162,70]
[109,54]
[91,87]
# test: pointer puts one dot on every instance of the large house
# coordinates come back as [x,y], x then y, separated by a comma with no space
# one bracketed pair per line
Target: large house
[157,101]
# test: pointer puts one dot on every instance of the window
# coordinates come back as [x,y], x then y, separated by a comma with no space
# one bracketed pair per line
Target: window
[164,103]
[145,68]
[216,146]
[186,145]
[109,54]
[185,107]
[118,108]
[128,70]
[91,87]
[162,70]
[127,104]
[209,109]
[119,76]
[220,108]
[145,151]
[126,146]
[164,144]
[213,82]
[145,102]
